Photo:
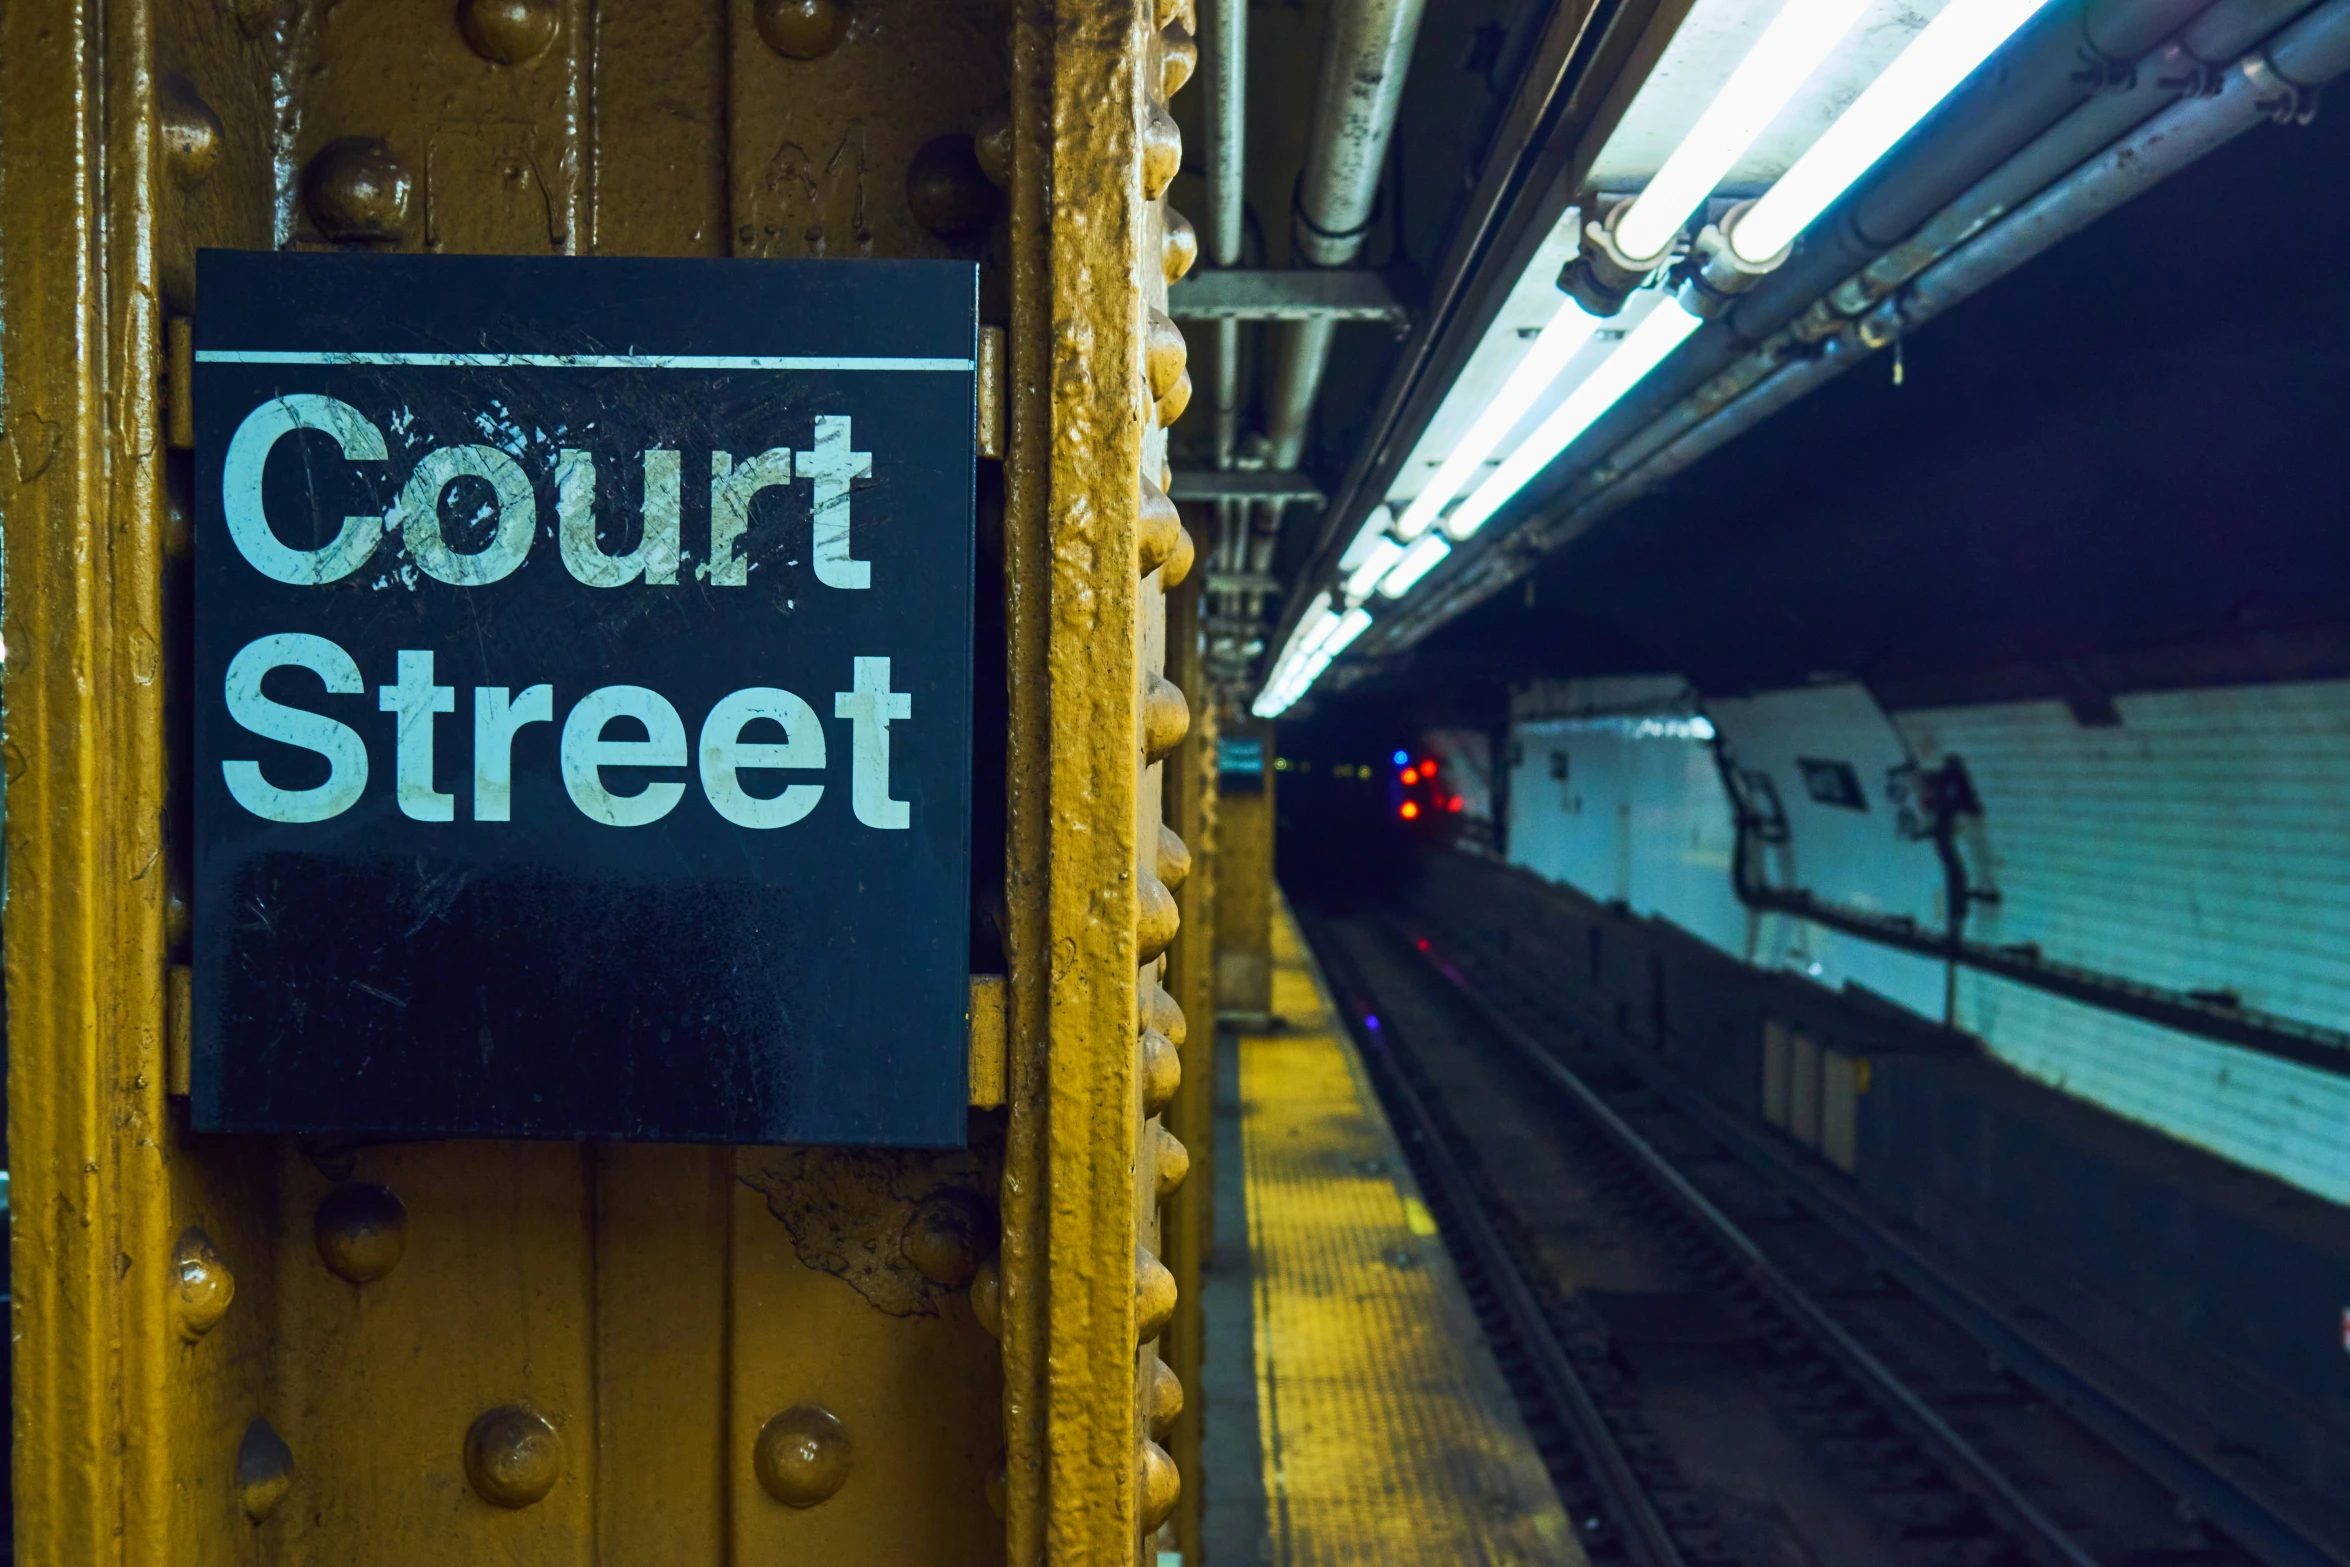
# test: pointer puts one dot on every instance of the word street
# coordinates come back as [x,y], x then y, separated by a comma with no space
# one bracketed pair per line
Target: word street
[721,753]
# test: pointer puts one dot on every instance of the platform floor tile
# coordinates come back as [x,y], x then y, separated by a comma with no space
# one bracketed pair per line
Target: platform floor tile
[1386,1433]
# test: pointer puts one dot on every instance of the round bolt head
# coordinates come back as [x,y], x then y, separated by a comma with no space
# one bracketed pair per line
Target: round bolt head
[992,145]
[513,1456]
[1173,1162]
[357,192]
[1161,1012]
[1166,1397]
[1154,1296]
[190,131]
[1160,1070]
[265,1470]
[1156,920]
[202,1286]
[987,1297]
[802,29]
[1180,59]
[1178,565]
[1166,719]
[1157,1486]
[1162,153]
[508,32]
[1177,399]
[803,1455]
[948,190]
[1157,526]
[1178,246]
[1174,858]
[948,1237]
[362,1232]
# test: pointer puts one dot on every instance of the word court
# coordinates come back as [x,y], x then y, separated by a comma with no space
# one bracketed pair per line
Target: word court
[583,691]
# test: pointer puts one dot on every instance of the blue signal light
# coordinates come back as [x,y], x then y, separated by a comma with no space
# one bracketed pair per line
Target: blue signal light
[1400,758]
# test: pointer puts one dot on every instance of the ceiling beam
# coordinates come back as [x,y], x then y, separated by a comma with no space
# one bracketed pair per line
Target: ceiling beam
[1288,294]
[1240,484]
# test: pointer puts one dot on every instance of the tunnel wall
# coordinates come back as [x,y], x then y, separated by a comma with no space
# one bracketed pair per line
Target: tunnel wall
[2185,839]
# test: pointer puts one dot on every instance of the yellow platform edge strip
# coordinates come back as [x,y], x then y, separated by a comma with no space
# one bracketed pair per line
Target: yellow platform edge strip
[1387,1433]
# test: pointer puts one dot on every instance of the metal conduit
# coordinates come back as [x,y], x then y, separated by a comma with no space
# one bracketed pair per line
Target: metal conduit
[1365,55]
[2264,85]
[1227,65]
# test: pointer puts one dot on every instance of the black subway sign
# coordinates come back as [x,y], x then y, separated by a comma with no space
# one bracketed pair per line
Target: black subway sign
[583,668]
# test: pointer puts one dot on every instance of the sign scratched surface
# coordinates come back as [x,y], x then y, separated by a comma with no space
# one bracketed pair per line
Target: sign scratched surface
[583,669]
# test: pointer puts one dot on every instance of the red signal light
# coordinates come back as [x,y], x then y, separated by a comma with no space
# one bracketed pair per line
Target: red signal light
[1409,809]
[1428,768]
[1454,804]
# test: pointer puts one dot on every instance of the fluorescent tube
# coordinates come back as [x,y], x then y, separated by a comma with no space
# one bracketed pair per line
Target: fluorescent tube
[1568,331]
[1357,621]
[1371,567]
[1367,537]
[1921,76]
[1656,336]
[1781,61]
[1417,562]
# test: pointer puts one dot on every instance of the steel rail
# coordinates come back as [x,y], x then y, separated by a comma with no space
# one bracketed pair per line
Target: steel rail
[1628,1500]
[1790,1296]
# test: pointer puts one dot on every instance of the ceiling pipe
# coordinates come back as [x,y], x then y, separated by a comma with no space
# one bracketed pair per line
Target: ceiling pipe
[1365,54]
[1366,51]
[1227,199]
[2276,83]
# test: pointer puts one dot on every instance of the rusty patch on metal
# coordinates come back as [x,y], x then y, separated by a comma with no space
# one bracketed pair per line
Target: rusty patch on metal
[847,1210]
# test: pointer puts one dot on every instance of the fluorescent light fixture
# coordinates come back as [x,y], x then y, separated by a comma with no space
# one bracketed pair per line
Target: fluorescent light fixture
[1384,553]
[1780,62]
[1416,563]
[1641,351]
[1366,537]
[1357,622]
[1568,331]
[1961,38]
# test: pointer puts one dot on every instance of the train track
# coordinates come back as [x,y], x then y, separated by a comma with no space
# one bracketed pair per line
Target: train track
[1773,1387]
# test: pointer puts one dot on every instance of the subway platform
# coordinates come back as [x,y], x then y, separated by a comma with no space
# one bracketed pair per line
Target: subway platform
[1353,1410]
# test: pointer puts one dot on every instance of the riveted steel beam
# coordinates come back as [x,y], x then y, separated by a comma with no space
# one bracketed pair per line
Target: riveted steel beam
[1282,294]
[1238,484]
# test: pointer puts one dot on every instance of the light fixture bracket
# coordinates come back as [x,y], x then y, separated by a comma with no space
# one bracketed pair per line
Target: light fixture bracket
[1602,277]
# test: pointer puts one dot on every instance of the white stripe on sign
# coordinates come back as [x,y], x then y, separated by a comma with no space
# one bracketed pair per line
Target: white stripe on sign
[271,356]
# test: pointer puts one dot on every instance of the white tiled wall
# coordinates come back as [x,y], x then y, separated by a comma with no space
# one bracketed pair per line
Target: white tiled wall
[2202,843]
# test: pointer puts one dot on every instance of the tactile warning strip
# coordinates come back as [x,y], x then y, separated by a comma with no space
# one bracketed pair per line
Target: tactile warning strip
[1388,1435]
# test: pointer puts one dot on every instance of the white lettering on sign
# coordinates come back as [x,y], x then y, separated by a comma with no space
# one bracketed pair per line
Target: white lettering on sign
[655,557]
[415,699]
[732,490]
[829,467]
[345,752]
[586,753]
[496,717]
[722,753]
[869,709]
[240,487]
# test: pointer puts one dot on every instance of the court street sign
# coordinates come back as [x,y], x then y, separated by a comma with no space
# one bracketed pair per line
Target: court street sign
[582,697]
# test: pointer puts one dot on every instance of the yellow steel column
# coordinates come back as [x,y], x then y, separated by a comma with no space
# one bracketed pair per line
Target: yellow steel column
[1087,530]
[1191,981]
[1244,909]
[80,435]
